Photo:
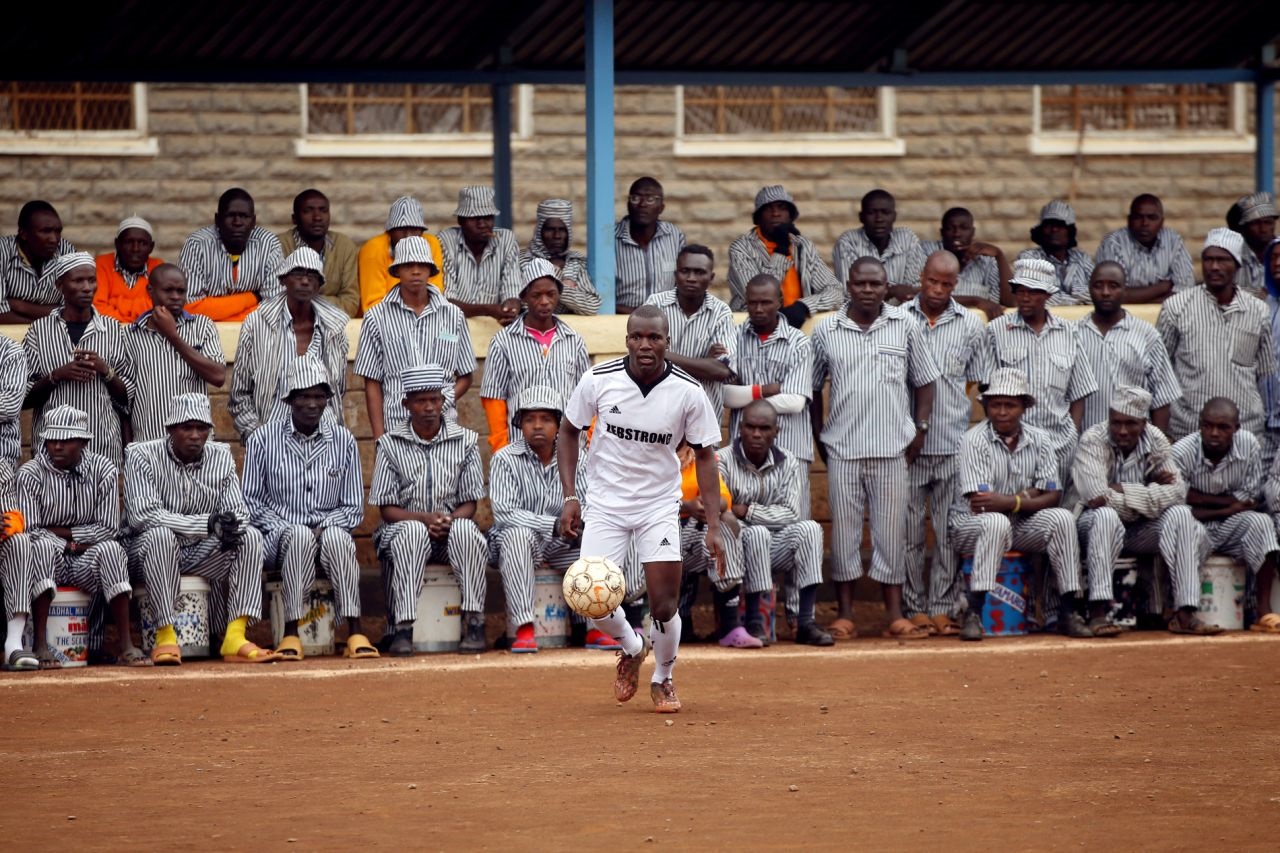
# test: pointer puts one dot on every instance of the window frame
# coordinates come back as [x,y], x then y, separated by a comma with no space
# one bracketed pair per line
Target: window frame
[88,143]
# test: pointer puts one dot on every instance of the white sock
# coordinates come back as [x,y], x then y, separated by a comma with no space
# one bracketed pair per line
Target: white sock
[617,626]
[13,639]
[665,637]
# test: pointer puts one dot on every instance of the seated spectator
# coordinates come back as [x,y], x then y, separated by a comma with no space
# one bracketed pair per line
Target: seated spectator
[123,274]
[1155,261]
[539,349]
[27,288]
[1133,499]
[294,325]
[1222,465]
[187,516]
[898,249]
[645,246]
[1006,499]
[337,250]
[70,501]
[1257,225]
[770,489]
[1055,239]
[171,351]
[231,265]
[303,486]
[983,282]
[776,247]
[481,263]
[14,376]
[552,237]
[15,577]
[78,357]
[426,481]
[404,220]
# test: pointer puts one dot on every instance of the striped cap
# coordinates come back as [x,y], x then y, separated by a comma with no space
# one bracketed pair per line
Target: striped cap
[1035,274]
[1257,206]
[536,268]
[551,208]
[413,250]
[1009,382]
[1131,401]
[776,192]
[135,221]
[476,201]
[423,377]
[406,212]
[64,264]
[537,398]
[192,406]
[306,372]
[1226,239]
[302,258]
[64,422]
[1058,210]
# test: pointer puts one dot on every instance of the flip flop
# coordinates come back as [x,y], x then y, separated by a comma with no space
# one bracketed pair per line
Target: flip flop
[133,656]
[167,655]
[738,638]
[21,660]
[358,646]
[902,629]
[289,648]
[842,629]
[922,621]
[947,627]
[251,653]
[1269,624]
[1197,628]
[47,660]
[1101,626]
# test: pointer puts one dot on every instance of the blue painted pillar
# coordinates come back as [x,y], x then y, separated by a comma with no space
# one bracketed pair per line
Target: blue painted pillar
[1264,168]
[600,260]
[501,95]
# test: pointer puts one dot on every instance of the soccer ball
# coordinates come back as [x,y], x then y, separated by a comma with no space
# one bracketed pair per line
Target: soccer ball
[593,587]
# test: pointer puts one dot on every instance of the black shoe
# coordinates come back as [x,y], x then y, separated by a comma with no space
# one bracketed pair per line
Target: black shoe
[1073,625]
[809,634]
[972,628]
[472,634]
[756,629]
[401,645]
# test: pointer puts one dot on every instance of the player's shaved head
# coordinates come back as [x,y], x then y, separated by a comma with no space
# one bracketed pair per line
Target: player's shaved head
[761,412]
[757,430]
[943,262]
[648,312]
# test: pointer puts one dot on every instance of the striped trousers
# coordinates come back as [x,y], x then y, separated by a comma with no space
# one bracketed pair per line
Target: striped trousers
[988,535]
[103,568]
[297,552]
[693,550]
[518,551]
[405,549]
[1246,536]
[161,560]
[933,482]
[879,486]
[1176,536]
[23,581]
[795,550]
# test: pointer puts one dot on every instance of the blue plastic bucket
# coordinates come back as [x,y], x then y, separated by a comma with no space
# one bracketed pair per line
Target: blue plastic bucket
[1006,612]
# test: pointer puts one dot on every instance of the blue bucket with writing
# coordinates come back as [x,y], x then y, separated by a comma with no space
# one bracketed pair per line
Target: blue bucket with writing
[1006,612]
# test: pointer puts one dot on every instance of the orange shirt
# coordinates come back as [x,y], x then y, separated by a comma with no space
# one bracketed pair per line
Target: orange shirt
[375,257]
[791,291]
[115,298]
[689,485]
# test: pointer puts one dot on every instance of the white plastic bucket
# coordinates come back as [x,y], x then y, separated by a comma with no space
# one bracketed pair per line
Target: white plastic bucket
[438,627]
[315,628]
[1222,592]
[551,624]
[67,630]
[190,617]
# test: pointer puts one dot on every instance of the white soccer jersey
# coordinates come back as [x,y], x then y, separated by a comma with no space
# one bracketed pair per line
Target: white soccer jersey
[631,465]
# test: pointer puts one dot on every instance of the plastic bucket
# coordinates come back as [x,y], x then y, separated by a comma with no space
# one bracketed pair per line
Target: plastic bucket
[551,624]
[1124,592]
[1222,592]
[67,630]
[768,613]
[438,627]
[190,617]
[1006,612]
[315,628]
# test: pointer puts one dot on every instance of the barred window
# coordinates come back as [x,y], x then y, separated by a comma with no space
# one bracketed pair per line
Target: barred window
[68,107]
[392,108]
[1170,108]
[774,110]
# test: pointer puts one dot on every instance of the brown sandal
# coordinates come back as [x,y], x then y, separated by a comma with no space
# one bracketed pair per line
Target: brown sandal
[945,625]
[902,629]
[843,629]
[922,621]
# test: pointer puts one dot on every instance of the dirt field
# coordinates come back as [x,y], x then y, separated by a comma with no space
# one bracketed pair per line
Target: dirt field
[1153,742]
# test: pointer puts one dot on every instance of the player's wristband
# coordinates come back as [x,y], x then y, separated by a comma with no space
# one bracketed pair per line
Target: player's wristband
[573,498]
[755,392]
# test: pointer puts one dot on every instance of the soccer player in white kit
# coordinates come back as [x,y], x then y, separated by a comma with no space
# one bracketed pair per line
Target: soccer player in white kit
[642,406]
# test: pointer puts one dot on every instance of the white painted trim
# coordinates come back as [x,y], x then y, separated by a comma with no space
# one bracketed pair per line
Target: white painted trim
[88,143]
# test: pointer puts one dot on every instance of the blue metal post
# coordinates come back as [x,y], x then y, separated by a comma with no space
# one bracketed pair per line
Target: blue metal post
[501,95]
[600,260]
[1264,168]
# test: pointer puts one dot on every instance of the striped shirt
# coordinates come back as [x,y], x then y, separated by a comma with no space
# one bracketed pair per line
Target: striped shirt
[957,340]
[516,361]
[980,277]
[85,498]
[19,280]
[820,289]
[987,463]
[314,480]
[1166,260]
[427,476]
[393,337]
[1270,385]
[1054,364]
[525,493]
[1217,351]
[13,389]
[48,346]
[1099,463]
[903,258]
[1252,275]
[872,372]
[579,295]
[489,280]
[211,272]
[268,347]
[1130,353]
[773,492]
[160,374]
[644,271]
[784,357]
[692,335]
[1239,474]
[161,491]
[1073,274]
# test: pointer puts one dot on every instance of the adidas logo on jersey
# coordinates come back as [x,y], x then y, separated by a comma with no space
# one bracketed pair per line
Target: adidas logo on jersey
[614,410]
[664,543]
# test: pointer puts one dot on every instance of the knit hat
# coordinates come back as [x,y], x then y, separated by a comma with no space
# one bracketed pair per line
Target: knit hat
[776,192]
[536,268]
[192,406]
[476,201]
[536,398]
[1226,239]
[302,258]
[551,208]
[423,377]
[64,264]
[413,250]
[1058,210]
[1131,401]
[306,372]
[406,212]
[1035,274]
[64,422]
[1009,382]
[138,222]
[1257,206]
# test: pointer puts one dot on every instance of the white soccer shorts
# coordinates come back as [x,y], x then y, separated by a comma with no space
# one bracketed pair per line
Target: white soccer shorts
[656,536]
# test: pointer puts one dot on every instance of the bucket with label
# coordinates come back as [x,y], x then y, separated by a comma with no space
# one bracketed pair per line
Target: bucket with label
[315,628]
[438,627]
[550,614]
[67,630]
[1006,612]
[1222,592]
[190,617]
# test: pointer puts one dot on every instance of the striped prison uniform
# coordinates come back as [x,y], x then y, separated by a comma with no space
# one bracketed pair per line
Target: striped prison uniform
[85,499]
[1166,260]
[980,277]
[48,346]
[306,495]
[14,375]
[16,576]
[645,270]
[492,278]
[903,258]
[516,361]
[19,280]
[1249,536]
[393,337]
[785,357]
[212,272]
[957,341]
[1073,274]
[579,295]
[749,257]
[869,424]
[1217,351]
[693,334]
[160,373]
[1130,353]
[436,475]
[985,460]
[1146,518]
[167,505]
[1252,276]
[268,347]
[527,501]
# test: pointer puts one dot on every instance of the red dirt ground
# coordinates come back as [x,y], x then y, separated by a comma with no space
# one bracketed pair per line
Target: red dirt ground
[1146,742]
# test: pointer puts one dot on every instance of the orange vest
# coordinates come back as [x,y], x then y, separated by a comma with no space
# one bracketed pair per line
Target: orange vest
[115,298]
